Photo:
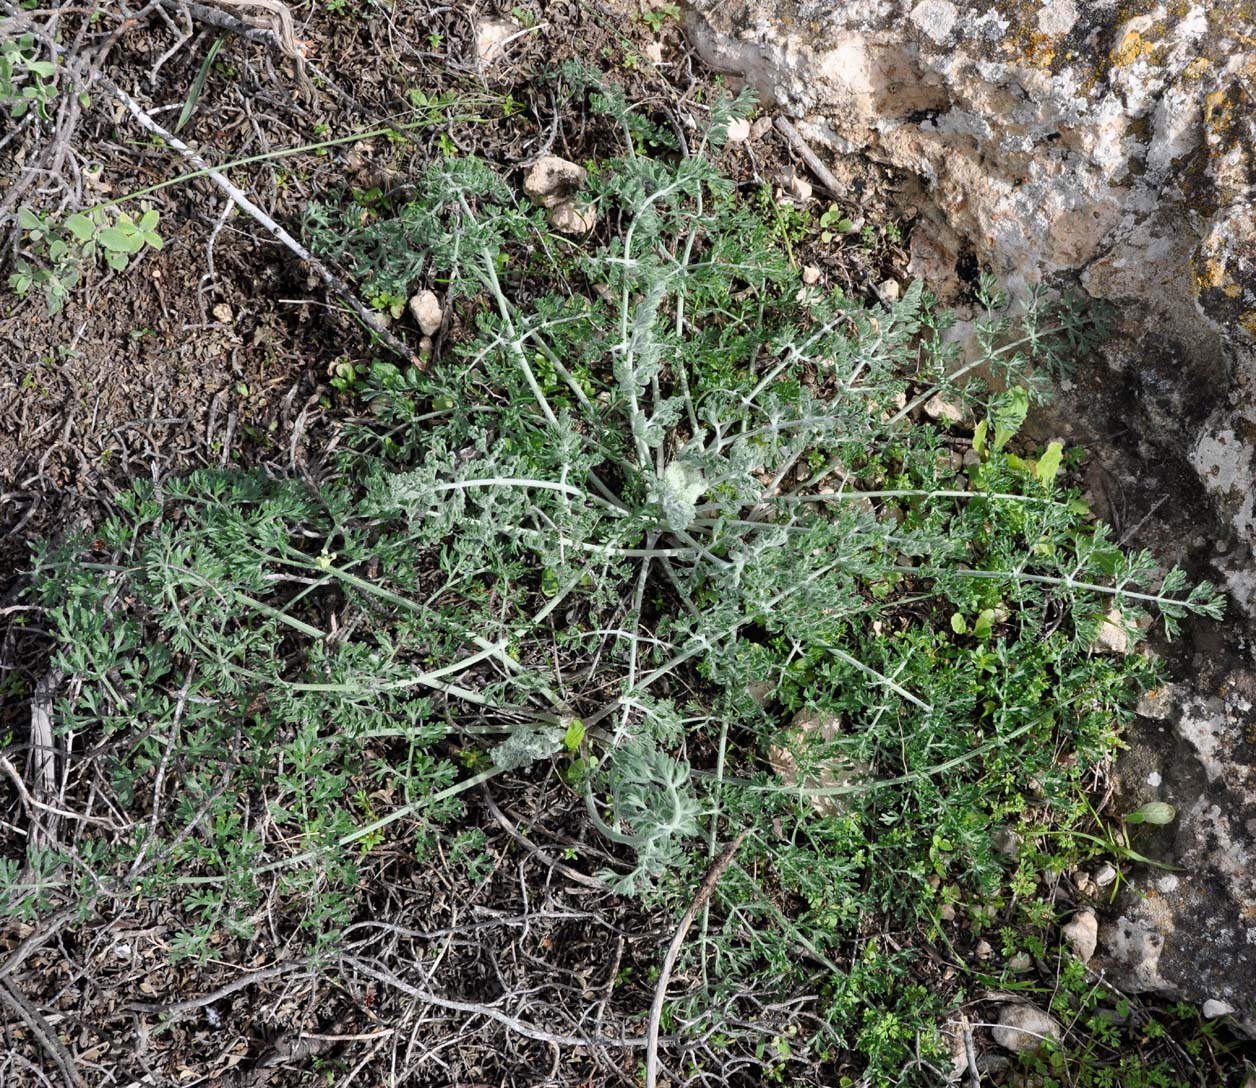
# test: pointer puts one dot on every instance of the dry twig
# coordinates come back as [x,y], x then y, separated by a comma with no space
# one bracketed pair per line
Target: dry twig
[673,950]
[328,277]
[39,1027]
[814,164]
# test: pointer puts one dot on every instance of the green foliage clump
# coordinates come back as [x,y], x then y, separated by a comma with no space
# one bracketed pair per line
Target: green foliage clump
[654,500]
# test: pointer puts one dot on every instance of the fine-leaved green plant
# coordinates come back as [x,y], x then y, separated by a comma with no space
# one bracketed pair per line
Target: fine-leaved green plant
[656,499]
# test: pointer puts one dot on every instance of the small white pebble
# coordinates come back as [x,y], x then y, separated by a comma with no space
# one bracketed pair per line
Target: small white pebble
[810,275]
[738,130]
[425,308]
[1082,934]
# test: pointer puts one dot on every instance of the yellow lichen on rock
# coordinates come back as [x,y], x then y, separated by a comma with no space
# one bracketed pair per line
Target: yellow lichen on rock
[1132,46]
[1196,68]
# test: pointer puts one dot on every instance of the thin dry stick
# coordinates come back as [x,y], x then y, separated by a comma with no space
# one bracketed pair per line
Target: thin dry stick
[40,1028]
[522,1027]
[44,788]
[536,851]
[48,928]
[673,950]
[333,281]
[179,1008]
[822,172]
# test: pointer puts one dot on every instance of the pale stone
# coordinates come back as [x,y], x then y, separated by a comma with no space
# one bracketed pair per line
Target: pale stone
[760,128]
[1112,637]
[552,180]
[1024,1028]
[426,311]
[936,18]
[810,727]
[1159,703]
[939,408]
[738,130]
[1082,934]
[572,218]
[1055,19]
[490,38]
[810,275]
[797,188]
[953,1034]
[1213,1009]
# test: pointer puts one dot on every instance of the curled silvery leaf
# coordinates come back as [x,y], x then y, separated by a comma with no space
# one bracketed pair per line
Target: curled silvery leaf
[526,746]
[677,491]
[1157,813]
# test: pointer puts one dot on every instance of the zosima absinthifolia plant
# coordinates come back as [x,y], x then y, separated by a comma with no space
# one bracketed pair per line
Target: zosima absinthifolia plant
[653,501]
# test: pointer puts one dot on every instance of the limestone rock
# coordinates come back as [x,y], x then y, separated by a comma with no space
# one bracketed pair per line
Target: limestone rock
[1082,934]
[426,311]
[953,1033]
[796,187]
[490,38]
[1188,934]
[939,408]
[572,218]
[1111,638]
[738,130]
[552,181]
[1110,142]
[759,129]
[1024,1028]
[1212,1009]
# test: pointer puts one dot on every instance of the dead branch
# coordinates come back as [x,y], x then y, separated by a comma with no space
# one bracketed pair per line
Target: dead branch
[673,950]
[328,277]
[178,1008]
[823,174]
[39,1027]
[521,1027]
